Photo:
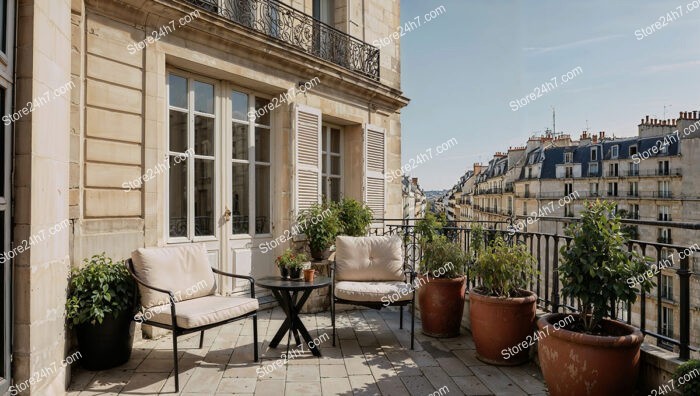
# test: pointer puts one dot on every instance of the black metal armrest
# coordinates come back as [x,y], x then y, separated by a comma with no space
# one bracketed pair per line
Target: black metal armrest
[246,277]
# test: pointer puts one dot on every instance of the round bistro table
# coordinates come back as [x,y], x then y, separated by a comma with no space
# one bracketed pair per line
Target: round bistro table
[291,295]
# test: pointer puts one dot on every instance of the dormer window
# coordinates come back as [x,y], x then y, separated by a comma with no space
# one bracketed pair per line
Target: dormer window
[568,157]
[615,151]
[594,154]
[633,150]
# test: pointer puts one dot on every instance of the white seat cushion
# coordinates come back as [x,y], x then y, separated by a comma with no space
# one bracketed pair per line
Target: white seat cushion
[202,311]
[373,291]
[183,269]
[375,258]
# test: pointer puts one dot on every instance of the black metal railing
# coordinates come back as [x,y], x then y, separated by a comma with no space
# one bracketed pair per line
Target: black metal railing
[300,30]
[546,250]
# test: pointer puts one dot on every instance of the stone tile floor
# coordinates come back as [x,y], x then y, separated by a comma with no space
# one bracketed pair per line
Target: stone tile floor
[372,358]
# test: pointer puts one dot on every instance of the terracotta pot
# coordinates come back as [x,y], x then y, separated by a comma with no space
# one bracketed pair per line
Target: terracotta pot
[321,254]
[577,364]
[500,325]
[309,275]
[441,305]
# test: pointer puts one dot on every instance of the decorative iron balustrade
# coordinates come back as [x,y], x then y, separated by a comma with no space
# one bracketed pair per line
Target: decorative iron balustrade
[293,27]
[545,248]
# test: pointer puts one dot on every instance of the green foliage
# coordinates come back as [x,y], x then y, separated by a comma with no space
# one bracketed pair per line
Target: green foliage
[477,242]
[355,217]
[504,269]
[442,258]
[597,265]
[100,288]
[321,225]
[428,228]
[692,369]
[289,259]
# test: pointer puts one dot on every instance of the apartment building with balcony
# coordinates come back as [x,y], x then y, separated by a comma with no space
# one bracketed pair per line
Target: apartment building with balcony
[207,121]
[651,177]
[414,200]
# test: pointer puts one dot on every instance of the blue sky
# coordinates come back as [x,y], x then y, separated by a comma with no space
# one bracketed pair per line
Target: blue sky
[463,68]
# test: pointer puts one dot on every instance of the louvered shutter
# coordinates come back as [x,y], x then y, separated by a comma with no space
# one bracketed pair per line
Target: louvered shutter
[307,157]
[375,167]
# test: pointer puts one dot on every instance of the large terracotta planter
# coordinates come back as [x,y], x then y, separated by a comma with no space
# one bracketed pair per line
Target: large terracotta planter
[577,364]
[500,324]
[441,305]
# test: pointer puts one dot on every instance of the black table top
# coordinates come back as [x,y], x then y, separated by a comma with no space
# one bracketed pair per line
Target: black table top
[275,282]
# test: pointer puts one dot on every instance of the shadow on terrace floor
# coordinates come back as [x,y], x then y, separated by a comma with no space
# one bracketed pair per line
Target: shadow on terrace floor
[372,358]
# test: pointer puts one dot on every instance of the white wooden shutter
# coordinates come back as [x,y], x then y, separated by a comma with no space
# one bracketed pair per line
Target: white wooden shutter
[307,157]
[375,168]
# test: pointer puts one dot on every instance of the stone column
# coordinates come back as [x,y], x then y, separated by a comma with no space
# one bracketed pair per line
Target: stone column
[41,191]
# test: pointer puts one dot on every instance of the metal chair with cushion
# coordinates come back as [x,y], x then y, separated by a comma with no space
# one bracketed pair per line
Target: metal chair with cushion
[371,272]
[177,287]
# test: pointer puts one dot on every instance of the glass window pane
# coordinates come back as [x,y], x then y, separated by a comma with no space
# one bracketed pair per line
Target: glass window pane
[264,115]
[203,197]
[203,135]
[335,189]
[239,103]
[240,141]
[262,199]
[178,91]
[262,145]
[324,161]
[203,97]
[177,198]
[335,165]
[335,140]
[324,139]
[239,206]
[178,131]
[324,187]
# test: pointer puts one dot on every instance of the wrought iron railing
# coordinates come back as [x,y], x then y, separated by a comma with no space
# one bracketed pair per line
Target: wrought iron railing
[546,250]
[300,30]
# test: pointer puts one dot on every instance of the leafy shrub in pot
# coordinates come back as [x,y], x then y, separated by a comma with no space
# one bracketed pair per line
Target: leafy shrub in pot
[689,374]
[321,225]
[355,217]
[291,263]
[501,311]
[102,299]
[594,273]
[441,286]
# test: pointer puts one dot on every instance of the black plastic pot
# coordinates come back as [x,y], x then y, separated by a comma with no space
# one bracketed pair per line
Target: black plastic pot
[295,273]
[284,272]
[107,345]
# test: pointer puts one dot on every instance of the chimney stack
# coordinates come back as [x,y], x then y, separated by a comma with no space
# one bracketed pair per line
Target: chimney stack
[602,135]
[647,122]
[414,181]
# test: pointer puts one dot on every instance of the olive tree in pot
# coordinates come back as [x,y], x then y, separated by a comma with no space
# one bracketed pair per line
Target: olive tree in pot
[601,355]
[321,225]
[441,282]
[102,300]
[501,311]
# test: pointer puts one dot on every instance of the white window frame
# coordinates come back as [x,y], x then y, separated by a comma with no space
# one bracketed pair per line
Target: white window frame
[615,151]
[191,113]
[594,154]
[568,157]
[326,176]
[590,169]
[252,162]
[667,321]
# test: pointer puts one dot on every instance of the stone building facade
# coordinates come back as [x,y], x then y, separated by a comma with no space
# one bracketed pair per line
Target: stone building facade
[651,177]
[186,121]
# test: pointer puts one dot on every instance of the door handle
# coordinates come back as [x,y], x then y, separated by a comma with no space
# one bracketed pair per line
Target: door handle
[227,214]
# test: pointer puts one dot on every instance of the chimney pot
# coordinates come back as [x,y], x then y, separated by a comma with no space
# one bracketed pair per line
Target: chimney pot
[647,120]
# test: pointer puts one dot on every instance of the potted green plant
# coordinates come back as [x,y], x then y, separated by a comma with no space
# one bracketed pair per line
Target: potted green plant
[501,311]
[594,273]
[102,300]
[355,217]
[687,377]
[291,264]
[441,282]
[282,262]
[321,225]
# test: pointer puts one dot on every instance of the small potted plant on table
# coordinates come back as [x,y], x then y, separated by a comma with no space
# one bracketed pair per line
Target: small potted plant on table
[501,311]
[595,354]
[291,264]
[102,300]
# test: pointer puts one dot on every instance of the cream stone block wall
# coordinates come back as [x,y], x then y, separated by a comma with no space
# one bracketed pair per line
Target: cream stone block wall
[43,149]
